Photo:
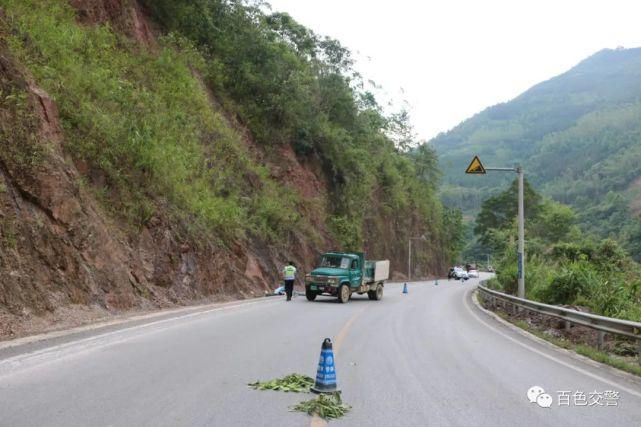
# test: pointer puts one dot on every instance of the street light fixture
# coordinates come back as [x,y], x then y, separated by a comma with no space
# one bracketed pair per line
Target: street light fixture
[409,255]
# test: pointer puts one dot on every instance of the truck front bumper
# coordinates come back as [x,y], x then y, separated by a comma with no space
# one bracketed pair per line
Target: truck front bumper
[322,288]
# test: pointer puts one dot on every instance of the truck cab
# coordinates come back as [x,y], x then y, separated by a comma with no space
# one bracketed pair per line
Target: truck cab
[341,274]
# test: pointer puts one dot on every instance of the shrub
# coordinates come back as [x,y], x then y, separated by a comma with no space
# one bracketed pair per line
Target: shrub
[569,282]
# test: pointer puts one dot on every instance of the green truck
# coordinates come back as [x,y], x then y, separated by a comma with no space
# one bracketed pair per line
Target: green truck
[341,274]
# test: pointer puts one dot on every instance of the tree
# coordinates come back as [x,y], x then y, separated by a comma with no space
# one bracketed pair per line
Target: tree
[454,232]
[426,164]
[499,211]
[400,130]
[633,239]
[554,222]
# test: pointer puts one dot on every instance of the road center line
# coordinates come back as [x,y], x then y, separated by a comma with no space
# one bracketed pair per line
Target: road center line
[547,356]
[340,337]
[318,421]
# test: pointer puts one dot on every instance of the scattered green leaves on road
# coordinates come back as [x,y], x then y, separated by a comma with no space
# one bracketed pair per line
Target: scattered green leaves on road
[325,406]
[293,382]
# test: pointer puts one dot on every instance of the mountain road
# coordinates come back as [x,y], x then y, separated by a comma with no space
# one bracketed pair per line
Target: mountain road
[428,357]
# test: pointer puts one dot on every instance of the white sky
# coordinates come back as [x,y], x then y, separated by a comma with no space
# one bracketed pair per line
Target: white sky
[452,58]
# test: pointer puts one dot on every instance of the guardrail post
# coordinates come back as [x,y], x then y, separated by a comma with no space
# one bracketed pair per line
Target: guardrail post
[639,351]
[567,325]
[600,339]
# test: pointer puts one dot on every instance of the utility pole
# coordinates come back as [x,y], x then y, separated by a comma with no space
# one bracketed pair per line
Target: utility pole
[476,167]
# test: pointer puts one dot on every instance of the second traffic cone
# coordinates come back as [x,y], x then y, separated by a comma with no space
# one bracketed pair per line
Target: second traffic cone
[326,372]
[405,288]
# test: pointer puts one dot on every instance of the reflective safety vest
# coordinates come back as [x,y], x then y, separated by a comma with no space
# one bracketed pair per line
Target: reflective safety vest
[290,272]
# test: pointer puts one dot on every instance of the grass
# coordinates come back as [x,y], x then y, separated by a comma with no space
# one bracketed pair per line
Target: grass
[143,119]
[608,359]
[560,342]
[8,234]
[20,149]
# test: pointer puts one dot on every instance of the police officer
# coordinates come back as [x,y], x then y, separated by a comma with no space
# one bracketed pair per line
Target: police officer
[289,274]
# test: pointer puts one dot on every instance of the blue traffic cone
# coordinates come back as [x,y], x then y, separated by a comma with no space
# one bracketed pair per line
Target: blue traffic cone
[405,288]
[326,372]
[436,282]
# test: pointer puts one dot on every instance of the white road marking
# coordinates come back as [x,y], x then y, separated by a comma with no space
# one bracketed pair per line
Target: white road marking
[9,364]
[547,356]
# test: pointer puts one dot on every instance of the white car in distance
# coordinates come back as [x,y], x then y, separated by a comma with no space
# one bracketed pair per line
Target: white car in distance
[460,274]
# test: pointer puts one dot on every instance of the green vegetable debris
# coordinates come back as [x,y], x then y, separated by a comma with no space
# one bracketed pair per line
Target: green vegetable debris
[294,382]
[325,406]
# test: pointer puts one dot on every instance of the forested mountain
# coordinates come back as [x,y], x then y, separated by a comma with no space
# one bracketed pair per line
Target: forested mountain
[578,136]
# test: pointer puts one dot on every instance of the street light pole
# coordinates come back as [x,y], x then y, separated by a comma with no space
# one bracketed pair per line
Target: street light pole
[409,255]
[521,250]
[476,167]
[409,259]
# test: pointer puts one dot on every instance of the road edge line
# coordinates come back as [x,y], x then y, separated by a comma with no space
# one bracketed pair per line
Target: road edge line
[133,317]
[13,361]
[613,371]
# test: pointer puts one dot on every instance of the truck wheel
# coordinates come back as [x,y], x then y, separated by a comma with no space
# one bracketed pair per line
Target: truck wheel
[311,295]
[371,295]
[378,294]
[343,294]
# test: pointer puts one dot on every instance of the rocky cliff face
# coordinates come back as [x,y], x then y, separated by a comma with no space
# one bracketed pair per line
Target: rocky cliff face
[125,15]
[63,260]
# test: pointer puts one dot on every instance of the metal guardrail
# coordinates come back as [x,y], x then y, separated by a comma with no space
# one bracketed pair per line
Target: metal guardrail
[601,323]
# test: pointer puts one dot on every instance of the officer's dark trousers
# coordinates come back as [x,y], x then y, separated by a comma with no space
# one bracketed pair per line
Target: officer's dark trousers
[289,288]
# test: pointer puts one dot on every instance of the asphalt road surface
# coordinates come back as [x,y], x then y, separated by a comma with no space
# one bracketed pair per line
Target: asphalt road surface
[427,358]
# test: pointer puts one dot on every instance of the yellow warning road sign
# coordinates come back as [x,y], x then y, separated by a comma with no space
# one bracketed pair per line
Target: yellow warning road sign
[476,166]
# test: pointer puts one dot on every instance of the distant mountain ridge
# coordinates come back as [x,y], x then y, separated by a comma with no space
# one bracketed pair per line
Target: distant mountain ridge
[578,136]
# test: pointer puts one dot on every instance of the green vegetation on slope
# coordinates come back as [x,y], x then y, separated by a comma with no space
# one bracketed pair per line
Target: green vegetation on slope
[143,123]
[292,86]
[578,136]
[562,266]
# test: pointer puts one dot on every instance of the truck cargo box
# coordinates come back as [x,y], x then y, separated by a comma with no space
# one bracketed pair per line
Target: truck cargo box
[376,271]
